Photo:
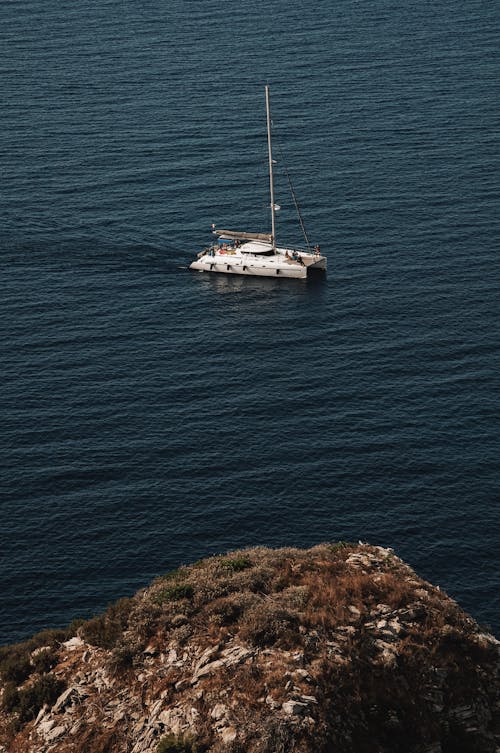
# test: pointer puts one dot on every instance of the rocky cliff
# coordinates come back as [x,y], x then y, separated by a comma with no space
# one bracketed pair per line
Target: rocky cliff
[339,648]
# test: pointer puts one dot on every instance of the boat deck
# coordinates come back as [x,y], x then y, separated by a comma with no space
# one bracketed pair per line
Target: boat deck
[284,262]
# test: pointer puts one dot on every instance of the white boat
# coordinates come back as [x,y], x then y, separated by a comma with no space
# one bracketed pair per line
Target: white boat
[257,254]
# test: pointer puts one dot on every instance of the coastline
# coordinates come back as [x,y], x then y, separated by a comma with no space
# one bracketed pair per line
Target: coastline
[339,647]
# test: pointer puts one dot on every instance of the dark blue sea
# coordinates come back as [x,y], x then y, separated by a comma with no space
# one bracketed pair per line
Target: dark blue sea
[151,415]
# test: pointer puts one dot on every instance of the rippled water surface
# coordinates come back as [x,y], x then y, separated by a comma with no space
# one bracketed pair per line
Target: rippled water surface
[151,416]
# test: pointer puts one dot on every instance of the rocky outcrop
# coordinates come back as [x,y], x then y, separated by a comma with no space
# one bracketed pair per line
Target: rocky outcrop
[337,648]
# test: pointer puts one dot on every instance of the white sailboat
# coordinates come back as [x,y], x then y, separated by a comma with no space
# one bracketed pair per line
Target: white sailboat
[257,254]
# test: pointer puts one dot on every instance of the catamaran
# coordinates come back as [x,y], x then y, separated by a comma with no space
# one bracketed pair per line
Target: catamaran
[257,254]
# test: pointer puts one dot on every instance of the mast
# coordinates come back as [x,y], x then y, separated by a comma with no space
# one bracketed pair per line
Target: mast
[270,153]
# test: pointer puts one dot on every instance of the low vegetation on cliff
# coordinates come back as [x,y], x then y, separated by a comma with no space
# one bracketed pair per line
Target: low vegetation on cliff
[338,648]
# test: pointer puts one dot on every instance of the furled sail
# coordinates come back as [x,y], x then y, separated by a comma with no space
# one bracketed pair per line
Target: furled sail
[236,235]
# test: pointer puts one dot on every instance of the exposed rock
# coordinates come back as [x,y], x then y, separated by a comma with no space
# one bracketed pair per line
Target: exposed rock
[207,669]
[205,658]
[296,708]
[45,726]
[236,655]
[41,714]
[308,699]
[272,702]
[303,674]
[337,648]
[219,711]
[64,699]
[228,734]
[54,733]
[73,643]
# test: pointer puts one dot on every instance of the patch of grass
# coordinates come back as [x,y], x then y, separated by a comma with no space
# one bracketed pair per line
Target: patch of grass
[328,602]
[28,701]
[178,592]
[44,660]
[18,661]
[97,740]
[107,629]
[15,665]
[227,610]
[123,656]
[269,624]
[177,744]
[338,546]
[174,593]
[236,564]
[46,690]
[10,698]
[128,652]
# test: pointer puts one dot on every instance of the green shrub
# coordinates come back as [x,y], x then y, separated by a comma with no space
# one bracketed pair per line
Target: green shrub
[236,564]
[10,698]
[50,637]
[227,610]
[269,624]
[106,629]
[174,593]
[27,702]
[125,653]
[44,660]
[177,744]
[15,664]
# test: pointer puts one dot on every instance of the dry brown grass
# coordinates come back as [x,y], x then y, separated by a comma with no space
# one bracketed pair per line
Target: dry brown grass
[330,599]
[95,741]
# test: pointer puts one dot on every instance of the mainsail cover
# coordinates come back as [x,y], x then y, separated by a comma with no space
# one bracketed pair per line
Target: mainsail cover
[236,235]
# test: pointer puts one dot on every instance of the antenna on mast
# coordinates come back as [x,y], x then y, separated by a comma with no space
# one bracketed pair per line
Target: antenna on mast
[271,180]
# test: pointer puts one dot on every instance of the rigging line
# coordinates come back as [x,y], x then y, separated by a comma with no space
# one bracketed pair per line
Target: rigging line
[294,196]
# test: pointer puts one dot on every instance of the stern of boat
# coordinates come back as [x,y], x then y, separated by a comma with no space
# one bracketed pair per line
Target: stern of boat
[315,264]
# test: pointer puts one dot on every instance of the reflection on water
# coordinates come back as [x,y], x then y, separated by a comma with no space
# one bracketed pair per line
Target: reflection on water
[224,284]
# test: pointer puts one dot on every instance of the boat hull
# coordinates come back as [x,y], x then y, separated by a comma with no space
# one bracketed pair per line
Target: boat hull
[278,266]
